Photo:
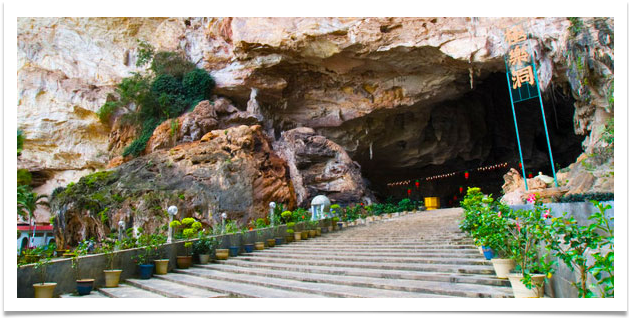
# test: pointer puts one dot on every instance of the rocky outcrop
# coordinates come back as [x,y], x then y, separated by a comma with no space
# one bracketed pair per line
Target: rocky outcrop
[320,166]
[232,171]
[207,116]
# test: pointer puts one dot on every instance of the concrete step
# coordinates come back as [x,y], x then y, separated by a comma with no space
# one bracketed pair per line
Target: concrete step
[297,284]
[93,294]
[172,289]
[381,245]
[318,253]
[409,251]
[362,272]
[234,289]
[410,259]
[424,288]
[463,269]
[378,246]
[127,291]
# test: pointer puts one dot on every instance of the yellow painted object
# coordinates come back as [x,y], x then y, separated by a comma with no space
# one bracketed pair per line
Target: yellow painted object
[432,203]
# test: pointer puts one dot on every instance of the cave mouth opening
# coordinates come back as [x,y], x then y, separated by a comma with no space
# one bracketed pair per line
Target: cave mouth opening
[473,133]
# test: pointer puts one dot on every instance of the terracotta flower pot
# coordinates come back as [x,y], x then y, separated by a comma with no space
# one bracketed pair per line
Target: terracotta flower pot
[304,235]
[289,238]
[221,253]
[112,277]
[503,266]
[318,231]
[521,291]
[297,236]
[259,246]
[184,262]
[312,233]
[331,228]
[162,266]
[45,290]
[271,242]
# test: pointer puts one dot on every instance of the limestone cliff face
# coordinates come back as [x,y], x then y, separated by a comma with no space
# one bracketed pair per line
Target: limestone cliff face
[350,79]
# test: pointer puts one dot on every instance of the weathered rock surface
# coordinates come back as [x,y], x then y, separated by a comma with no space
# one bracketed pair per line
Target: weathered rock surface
[320,166]
[232,170]
[391,91]
[206,116]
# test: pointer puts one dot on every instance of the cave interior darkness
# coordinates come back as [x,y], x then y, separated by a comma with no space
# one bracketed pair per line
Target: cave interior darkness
[481,123]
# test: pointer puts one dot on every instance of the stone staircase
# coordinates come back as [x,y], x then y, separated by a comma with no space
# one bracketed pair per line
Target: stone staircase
[412,256]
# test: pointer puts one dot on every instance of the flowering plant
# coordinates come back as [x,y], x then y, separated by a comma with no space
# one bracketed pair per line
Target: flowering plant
[531,231]
[487,221]
[149,244]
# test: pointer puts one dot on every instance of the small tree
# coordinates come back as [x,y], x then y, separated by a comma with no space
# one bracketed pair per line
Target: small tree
[27,203]
[42,264]
[190,227]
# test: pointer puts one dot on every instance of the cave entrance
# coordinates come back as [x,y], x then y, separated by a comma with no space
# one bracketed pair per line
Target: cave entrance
[436,144]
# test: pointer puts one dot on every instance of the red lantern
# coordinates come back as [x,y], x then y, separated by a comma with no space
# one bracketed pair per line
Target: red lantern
[409,192]
[466,174]
[520,165]
[530,175]
[455,198]
[417,184]
[461,189]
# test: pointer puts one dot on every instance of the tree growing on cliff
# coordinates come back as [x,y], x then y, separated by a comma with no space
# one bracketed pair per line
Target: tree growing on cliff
[172,86]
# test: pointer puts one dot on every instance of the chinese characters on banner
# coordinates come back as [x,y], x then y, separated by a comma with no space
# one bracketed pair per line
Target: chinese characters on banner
[520,65]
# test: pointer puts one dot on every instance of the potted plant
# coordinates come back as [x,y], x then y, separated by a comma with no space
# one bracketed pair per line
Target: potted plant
[190,228]
[530,232]
[493,233]
[220,253]
[162,262]
[84,285]
[232,228]
[112,276]
[259,244]
[304,234]
[291,235]
[247,246]
[203,247]
[43,289]
[336,220]
[149,244]
[311,228]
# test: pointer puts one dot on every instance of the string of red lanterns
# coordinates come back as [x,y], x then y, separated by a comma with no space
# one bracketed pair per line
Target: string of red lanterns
[447,175]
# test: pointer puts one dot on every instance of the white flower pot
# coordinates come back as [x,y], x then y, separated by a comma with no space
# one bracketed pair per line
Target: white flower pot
[521,291]
[503,266]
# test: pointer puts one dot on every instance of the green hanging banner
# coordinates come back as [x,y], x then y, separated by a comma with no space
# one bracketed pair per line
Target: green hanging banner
[521,74]
[520,65]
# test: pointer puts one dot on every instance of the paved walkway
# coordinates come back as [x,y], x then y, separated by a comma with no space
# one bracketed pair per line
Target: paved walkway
[413,256]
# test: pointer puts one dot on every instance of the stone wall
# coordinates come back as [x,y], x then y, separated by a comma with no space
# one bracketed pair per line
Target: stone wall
[92,266]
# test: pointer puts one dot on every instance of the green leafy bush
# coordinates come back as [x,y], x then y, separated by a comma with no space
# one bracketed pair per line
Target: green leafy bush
[197,85]
[173,86]
[585,197]
[171,63]
[20,142]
